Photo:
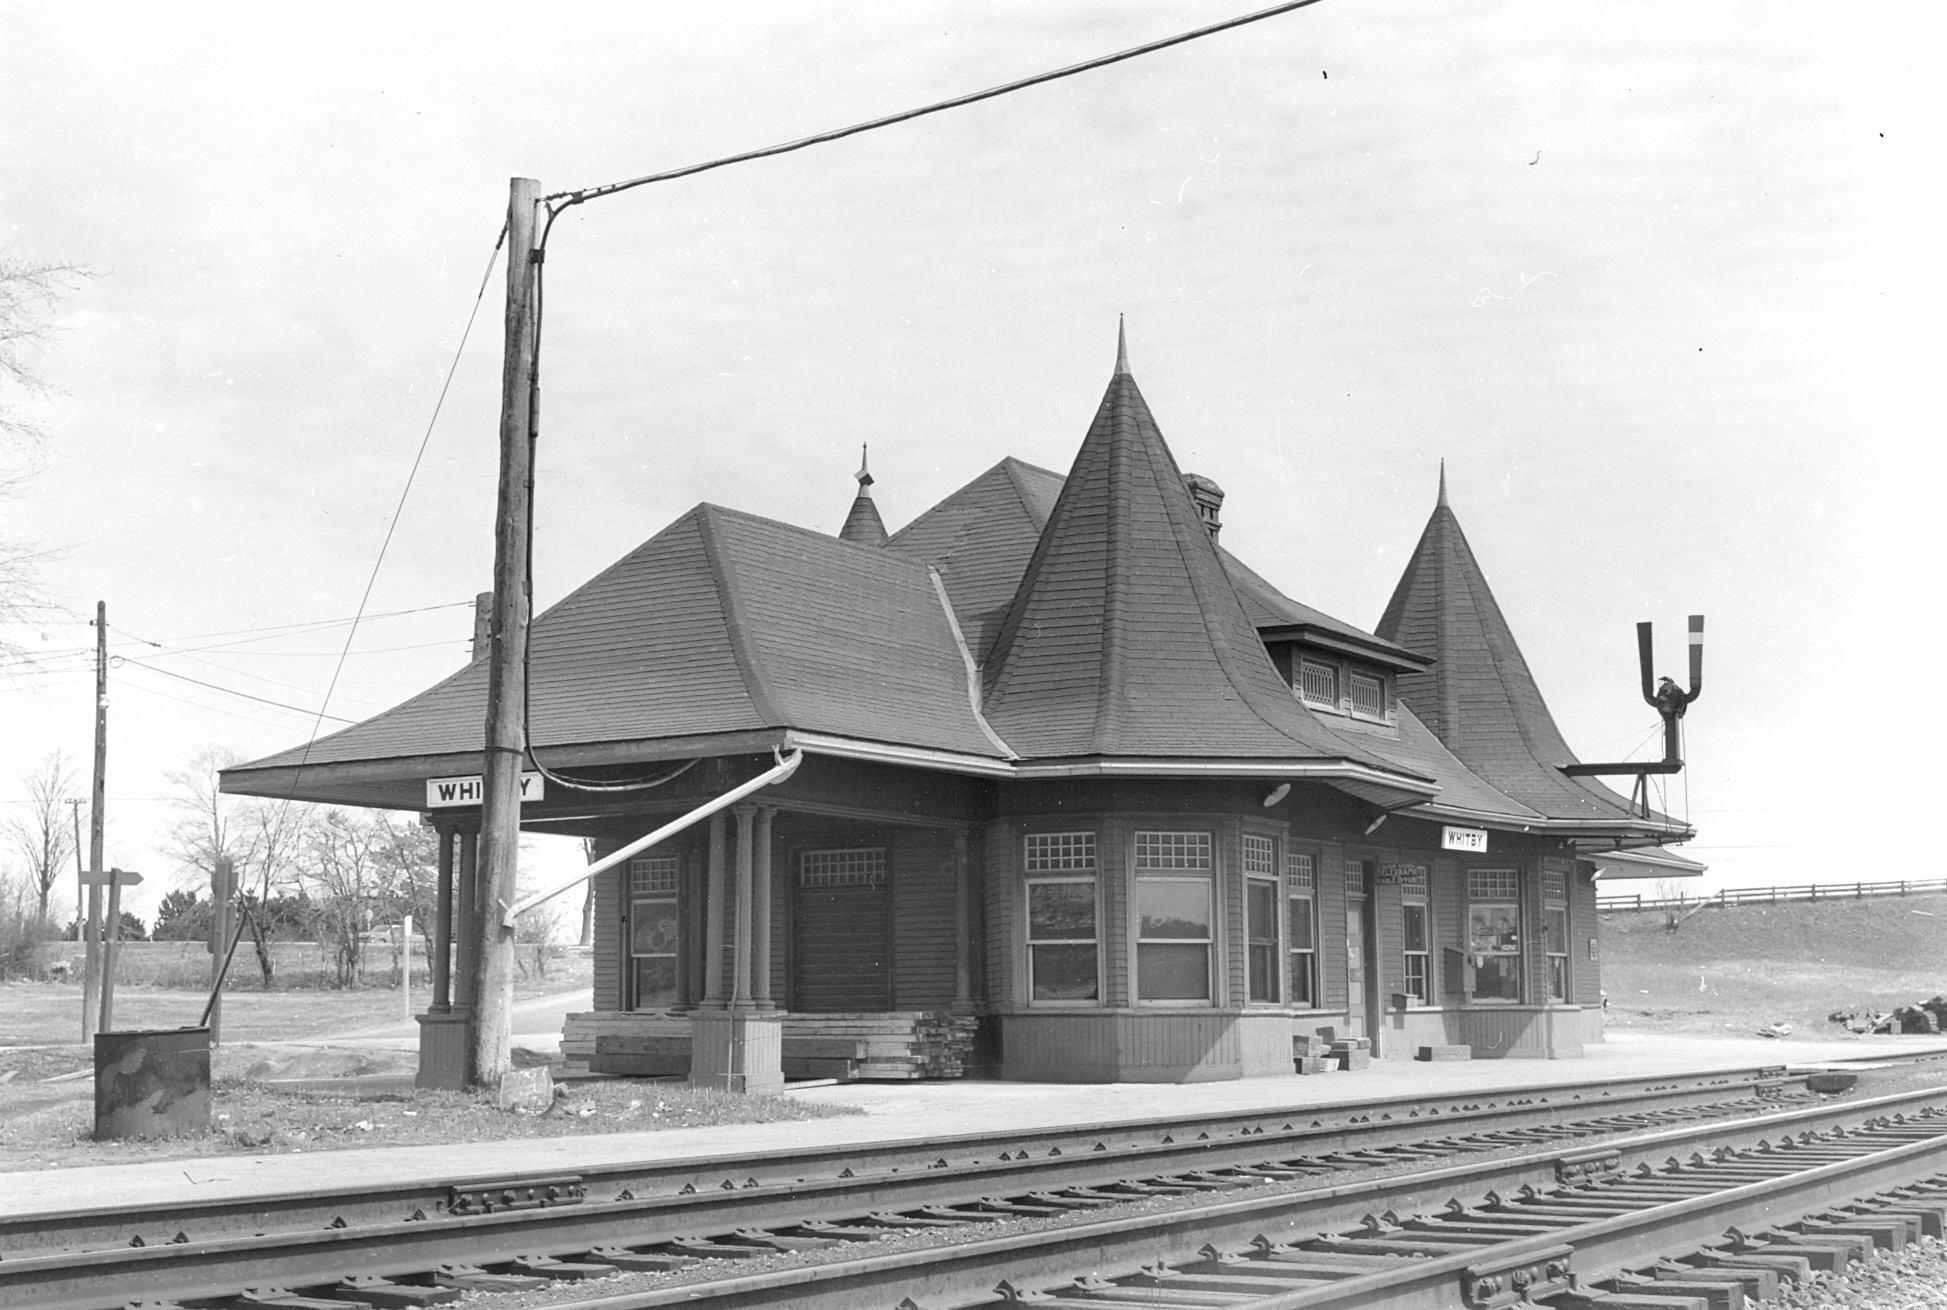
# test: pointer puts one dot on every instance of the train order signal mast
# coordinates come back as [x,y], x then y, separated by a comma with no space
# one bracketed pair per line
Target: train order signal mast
[1669,701]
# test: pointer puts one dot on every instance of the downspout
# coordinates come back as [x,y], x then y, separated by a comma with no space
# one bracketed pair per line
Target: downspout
[784,768]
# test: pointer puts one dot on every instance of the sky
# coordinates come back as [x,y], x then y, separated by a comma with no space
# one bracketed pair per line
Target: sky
[1658,282]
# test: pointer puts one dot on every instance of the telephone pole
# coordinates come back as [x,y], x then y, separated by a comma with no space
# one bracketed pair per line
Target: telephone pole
[91,924]
[491,1020]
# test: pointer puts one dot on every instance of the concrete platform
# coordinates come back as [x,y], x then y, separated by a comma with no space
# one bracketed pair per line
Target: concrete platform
[896,1111]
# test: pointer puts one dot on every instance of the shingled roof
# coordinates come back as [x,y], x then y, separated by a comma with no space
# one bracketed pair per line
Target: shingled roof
[1125,637]
[1479,698]
[722,623]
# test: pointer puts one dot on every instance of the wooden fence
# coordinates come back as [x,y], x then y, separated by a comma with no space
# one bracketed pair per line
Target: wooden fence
[1828,891]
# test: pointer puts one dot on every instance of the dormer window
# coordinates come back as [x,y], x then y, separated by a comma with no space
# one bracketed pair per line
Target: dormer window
[1368,695]
[1318,683]
[1340,686]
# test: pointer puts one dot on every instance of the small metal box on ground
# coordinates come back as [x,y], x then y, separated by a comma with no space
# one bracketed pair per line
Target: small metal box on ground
[152,1084]
[1437,1053]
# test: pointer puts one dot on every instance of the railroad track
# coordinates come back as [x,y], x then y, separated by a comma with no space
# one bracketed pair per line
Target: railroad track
[1055,1156]
[512,1233]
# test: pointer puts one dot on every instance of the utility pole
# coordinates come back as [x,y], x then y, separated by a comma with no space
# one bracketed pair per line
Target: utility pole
[91,925]
[491,1018]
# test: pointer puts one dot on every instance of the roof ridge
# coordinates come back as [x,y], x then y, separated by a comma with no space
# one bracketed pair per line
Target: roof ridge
[735,622]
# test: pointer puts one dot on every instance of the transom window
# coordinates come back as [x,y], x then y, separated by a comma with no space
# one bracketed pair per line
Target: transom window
[654,932]
[1063,940]
[1174,915]
[863,866]
[1301,936]
[1494,932]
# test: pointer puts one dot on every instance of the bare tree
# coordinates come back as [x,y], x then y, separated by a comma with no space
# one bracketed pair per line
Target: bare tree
[261,838]
[363,868]
[42,838]
[28,289]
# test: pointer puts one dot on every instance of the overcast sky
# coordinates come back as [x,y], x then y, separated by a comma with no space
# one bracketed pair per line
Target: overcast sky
[1659,281]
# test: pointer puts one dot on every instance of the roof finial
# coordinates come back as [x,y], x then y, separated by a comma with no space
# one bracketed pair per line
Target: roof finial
[1443,485]
[863,476]
[1121,349]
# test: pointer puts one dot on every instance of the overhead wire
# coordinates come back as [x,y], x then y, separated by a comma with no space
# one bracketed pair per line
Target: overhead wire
[558,202]
[585,194]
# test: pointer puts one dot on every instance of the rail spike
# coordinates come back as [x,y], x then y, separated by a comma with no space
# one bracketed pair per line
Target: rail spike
[1010,1294]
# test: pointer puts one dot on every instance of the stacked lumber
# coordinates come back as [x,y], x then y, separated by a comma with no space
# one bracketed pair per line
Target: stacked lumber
[581,1033]
[901,1045]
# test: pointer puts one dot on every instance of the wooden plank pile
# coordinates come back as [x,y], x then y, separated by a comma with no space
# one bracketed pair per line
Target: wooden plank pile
[902,1045]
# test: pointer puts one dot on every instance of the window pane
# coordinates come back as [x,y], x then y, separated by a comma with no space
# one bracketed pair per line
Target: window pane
[1172,973]
[1061,910]
[1301,923]
[1558,932]
[1261,911]
[1063,973]
[1558,977]
[1498,978]
[655,983]
[652,928]
[1262,966]
[1414,923]
[1302,972]
[1418,977]
[1492,928]
[1171,909]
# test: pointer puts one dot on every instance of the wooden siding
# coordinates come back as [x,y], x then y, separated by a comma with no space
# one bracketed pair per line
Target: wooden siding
[1145,1046]
[1000,885]
[1330,908]
[611,930]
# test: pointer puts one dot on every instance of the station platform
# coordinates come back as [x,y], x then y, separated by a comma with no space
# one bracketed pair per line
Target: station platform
[916,1111]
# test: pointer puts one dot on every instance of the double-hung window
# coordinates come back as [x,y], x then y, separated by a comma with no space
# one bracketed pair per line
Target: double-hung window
[1554,913]
[1301,936]
[1174,915]
[1063,941]
[1415,934]
[1262,963]
[654,931]
[1494,932]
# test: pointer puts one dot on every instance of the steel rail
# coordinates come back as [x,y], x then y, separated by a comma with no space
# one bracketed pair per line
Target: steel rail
[1204,1141]
[200,1270]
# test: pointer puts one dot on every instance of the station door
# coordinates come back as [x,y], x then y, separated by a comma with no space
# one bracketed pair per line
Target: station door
[843,940]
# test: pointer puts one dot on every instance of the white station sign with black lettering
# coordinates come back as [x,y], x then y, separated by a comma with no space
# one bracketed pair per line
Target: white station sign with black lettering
[451,793]
[1463,839]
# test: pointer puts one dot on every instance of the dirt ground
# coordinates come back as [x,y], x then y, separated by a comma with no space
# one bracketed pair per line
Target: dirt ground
[273,1039]
[47,1107]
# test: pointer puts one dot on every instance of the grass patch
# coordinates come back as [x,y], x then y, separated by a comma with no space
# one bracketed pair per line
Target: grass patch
[1737,969]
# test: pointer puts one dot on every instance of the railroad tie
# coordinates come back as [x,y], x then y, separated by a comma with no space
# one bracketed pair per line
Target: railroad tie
[388,1295]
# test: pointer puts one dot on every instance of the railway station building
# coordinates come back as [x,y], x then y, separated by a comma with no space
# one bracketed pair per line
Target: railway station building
[1077,795]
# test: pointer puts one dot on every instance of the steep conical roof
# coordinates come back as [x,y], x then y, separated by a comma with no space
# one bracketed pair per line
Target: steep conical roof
[1479,698]
[863,526]
[1125,637]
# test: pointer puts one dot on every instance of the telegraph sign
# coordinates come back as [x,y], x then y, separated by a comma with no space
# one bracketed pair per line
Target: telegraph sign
[448,793]
[1463,839]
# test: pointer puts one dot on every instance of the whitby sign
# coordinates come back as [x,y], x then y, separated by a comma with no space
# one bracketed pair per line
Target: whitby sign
[447,793]
[1463,839]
